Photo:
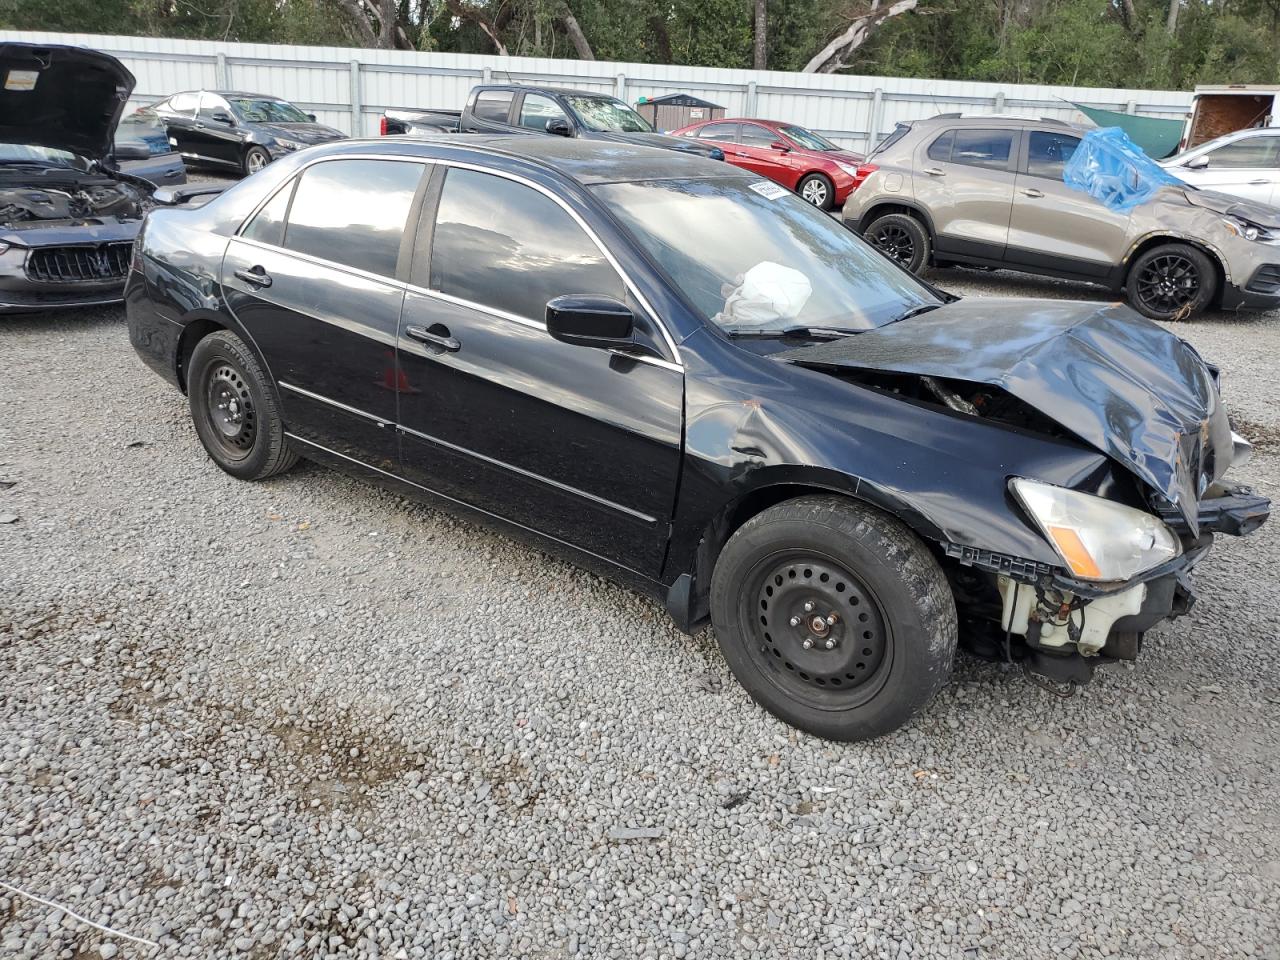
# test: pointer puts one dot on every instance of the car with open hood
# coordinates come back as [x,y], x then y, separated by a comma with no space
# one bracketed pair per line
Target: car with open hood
[842,469]
[989,191]
[808,163]
[231,130]
[68,213]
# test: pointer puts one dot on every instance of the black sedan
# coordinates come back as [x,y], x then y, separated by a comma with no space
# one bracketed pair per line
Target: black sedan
[236,131]
[787,435]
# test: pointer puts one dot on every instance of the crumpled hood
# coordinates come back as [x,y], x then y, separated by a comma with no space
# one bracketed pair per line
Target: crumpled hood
[1259,213]
[660,140]
[64,98]
[302,132]
[1119,382]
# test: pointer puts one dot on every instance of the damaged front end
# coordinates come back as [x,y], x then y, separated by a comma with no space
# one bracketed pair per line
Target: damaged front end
[1081,374]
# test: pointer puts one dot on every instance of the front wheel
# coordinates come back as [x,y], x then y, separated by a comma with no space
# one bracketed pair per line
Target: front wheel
[1174,281]
[901,238]
[834,617]
[255,158]
[817,189]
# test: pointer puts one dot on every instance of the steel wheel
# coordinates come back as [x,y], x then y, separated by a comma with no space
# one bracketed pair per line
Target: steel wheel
[1168,283]
[819,631]
[815,191]
[229,410]
[894,241]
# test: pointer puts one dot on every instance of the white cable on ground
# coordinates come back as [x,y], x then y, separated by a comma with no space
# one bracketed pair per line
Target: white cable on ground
[72,913]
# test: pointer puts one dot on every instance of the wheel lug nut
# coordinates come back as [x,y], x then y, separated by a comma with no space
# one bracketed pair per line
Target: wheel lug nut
[808,606]
[808,644]
[831,644]
[795,621]
[831,619]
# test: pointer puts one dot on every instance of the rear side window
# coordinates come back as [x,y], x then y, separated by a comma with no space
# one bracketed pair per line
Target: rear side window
[493,105]
[504,245]
[940,149]
[982,148]
[267,226]
[184,103]
[1251,152]
[1047,153]
[718,131]
[353,212]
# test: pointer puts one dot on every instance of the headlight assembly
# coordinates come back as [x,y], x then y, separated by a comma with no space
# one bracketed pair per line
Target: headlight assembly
[1098,539]
[850,168]
[1247,230]
[289,145]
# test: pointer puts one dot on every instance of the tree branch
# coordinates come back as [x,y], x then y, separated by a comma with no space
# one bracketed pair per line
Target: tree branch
[831,57]
[465,11]
[575,34]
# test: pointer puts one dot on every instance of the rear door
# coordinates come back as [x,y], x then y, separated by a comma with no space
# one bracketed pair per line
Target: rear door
[1054,227]
[312,277]
[1248,167]
[965,178]
[580,444]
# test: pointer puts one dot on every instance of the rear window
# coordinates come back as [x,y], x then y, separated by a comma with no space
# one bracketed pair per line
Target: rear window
[900,131]
[493,105]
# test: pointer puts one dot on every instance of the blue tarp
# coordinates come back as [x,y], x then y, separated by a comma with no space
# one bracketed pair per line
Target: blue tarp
[1111,168]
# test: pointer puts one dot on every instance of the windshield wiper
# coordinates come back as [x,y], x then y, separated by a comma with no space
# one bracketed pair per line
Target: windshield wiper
[916,311]
[808,333]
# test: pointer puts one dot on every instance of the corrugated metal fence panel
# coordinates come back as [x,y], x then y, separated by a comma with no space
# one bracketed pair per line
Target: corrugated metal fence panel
[853,110]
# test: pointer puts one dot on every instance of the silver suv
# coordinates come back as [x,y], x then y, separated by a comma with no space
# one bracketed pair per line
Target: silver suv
[988,191]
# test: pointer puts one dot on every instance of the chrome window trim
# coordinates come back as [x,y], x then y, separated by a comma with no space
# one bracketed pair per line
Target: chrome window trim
[479,168]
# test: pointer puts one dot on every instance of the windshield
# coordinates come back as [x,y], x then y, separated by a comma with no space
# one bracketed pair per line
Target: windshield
[808,139]
[22,153]
[261,110]
[788,264]
[607,115]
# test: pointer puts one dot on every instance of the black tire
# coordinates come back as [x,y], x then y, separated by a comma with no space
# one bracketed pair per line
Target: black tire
[234,409]
[816,188]
[894,633]
[254,159]
[902,238]
[1174,281]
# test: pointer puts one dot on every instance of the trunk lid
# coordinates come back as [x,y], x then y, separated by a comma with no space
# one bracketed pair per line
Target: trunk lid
[1119,382]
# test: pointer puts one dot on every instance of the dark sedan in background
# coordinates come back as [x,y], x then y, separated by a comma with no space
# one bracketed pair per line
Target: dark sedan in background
[143,149]
[236,131]
[787,434]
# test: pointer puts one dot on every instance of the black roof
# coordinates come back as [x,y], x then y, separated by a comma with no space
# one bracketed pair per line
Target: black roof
[682,100]
[539,88]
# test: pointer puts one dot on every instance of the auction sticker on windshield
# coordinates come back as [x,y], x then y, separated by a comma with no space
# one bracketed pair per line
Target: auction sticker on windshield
[21,79]
[769,190]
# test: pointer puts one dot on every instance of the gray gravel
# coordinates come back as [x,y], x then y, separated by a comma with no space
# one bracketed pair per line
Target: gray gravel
[309,718]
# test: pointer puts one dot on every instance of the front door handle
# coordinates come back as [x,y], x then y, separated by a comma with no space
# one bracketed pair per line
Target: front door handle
[1258,183]
[934,171]
[432,338]
[1033,192]
[257,277]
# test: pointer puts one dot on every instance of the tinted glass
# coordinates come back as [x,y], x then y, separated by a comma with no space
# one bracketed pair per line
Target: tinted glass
[267,226]
[537,110]
[900,131]
[1048,152]
[718,131]
[754,135]
[1257,152]
[506,246]
[493,105]
[267,110]
[183,103]
[789,263]
[940,149]
[353,212]
[982,148]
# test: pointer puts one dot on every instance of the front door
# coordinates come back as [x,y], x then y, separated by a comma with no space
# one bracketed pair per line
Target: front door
[179,116]
[1248,168]
[964,177]
[757,154]
[580,444]
[216,130]
[1055,227]
[312,278]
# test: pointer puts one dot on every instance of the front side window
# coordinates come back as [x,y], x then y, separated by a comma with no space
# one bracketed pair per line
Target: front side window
[493,105]
[754,135]
[267,110]
[504,245]
[982,148]
[1252,152]
[789,263]
[183,103]
[727,132]
[536,110]
[211,103]
[1047,153]
[352,212]
[607,115]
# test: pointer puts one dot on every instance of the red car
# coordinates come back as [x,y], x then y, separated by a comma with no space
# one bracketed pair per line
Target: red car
[799,159]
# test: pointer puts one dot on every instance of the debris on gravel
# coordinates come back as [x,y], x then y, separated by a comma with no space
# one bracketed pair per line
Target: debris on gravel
[309,718]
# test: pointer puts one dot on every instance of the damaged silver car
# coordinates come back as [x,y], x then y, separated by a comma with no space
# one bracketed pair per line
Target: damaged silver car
[68,215]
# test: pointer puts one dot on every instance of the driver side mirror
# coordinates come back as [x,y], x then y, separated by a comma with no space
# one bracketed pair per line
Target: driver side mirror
[1199,163]
[779,145]
[221,116]
[559,126]
[590,321]
[311,117]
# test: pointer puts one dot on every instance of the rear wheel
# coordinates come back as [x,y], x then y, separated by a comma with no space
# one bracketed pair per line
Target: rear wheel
[255,158]
[817,189]
[234,409]
[901,238]
[1174,281]
[834,617]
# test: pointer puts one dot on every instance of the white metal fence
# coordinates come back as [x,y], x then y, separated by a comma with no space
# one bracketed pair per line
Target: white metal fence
[349,88]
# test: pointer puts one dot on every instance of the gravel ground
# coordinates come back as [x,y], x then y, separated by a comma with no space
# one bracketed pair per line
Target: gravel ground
[309,718]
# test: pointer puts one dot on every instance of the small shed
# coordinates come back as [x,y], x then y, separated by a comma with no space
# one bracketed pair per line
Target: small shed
[676,110]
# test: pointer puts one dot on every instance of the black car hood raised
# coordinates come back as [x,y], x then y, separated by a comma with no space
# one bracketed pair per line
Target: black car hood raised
[660,140]
[1119,382]
[1259,213]
[301,132]
[64,98]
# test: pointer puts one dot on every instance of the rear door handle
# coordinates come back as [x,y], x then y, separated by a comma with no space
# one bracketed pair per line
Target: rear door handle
[1033,192]
[442,340]
[1258,183]
[257,277]
[934,171]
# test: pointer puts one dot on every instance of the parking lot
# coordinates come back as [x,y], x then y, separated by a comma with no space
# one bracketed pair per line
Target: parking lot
[309,718]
